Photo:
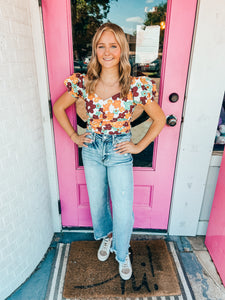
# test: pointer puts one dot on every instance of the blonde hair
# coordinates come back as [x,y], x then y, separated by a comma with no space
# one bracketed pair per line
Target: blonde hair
[94,67]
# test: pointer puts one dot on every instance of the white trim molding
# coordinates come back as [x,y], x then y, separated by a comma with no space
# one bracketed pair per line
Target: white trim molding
[204,95]
[43,86]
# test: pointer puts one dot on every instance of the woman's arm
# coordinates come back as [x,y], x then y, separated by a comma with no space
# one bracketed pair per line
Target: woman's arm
[159,120]
[59,109]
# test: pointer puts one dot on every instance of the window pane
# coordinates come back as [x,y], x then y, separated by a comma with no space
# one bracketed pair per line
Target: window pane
[144,26]
[220,132]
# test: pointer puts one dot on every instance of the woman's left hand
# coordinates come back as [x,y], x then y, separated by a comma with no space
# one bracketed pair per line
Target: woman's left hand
[127,147]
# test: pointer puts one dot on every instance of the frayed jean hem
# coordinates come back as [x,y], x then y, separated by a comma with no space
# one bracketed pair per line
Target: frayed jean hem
[118,260]
[102,237]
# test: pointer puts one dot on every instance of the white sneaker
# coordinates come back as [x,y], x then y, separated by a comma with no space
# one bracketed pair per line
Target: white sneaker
[125,269]
[104,249]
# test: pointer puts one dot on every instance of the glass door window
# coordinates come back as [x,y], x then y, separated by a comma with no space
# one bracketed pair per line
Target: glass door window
[144,24]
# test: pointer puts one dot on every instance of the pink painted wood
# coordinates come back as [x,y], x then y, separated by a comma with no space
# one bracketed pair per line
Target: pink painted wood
[215,237]
[57,26]
[176,54]
[153,186]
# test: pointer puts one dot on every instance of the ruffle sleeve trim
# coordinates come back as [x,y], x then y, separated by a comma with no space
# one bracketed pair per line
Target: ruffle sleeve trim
[143,89]
[75,85]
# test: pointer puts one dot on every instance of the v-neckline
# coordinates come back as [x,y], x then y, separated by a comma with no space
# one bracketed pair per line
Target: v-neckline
[117,94]
[96,95]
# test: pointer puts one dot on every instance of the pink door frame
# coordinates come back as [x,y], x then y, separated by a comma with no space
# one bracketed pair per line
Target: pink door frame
[215,237]
[154,185]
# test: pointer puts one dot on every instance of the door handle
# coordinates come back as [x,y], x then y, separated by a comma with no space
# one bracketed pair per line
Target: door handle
[171,120]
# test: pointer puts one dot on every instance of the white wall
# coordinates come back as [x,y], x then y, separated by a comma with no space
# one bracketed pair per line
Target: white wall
[204,97]
[209,192]
[25,208]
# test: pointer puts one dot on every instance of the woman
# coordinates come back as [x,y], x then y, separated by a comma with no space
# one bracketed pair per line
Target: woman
[110,94]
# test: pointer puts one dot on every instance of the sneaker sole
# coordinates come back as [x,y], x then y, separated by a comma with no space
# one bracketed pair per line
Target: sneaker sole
[126,277]
[101,258]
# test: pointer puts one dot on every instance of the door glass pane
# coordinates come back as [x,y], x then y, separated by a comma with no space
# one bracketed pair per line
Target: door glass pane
[143,22]
[220,132]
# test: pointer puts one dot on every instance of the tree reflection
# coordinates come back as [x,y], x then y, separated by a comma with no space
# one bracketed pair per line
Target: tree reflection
[157,17]
[87,16]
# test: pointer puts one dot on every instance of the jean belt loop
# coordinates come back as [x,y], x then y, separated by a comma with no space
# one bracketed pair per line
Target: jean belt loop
[113,139]
[93,136]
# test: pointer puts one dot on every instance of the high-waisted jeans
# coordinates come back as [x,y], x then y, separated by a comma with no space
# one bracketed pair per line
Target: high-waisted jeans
[108,171]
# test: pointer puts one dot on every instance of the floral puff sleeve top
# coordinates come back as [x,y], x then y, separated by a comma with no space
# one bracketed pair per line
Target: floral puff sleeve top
[112,115]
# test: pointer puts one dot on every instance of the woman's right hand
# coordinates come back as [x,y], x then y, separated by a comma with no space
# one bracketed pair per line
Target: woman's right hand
[59,108]
[80,140]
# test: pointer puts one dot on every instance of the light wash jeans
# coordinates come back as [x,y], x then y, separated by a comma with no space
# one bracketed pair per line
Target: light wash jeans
[106,170]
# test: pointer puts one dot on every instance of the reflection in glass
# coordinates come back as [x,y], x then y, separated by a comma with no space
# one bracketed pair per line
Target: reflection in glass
[87,16]
[220,132]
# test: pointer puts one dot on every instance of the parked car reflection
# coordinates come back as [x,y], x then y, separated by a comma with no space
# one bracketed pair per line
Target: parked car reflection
[153,67]
[140,69]
[80,66]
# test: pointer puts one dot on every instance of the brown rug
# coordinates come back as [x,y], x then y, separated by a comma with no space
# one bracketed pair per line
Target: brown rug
[154,272]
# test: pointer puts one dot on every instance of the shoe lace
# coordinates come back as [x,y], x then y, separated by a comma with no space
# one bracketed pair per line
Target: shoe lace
[105,244]
[126,264]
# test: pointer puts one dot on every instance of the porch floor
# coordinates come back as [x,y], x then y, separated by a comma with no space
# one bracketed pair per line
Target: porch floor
[205,281]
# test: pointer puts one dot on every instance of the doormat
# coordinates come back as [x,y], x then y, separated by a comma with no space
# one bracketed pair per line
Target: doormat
[77,273]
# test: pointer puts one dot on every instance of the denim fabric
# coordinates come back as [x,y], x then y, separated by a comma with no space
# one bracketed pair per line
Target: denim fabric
[106,170]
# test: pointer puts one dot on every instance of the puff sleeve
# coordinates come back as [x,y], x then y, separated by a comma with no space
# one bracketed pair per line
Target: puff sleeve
[144,90]
[75,85]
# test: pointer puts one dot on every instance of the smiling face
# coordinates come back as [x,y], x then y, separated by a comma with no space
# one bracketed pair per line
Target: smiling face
[108,50]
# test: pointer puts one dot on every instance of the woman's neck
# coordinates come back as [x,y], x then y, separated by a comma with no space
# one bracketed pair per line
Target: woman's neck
[109,75]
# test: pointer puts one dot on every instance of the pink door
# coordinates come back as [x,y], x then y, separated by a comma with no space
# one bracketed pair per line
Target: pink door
[215,237]
[154,179]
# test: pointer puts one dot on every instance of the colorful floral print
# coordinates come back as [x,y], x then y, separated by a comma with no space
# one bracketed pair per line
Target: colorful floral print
[112,115]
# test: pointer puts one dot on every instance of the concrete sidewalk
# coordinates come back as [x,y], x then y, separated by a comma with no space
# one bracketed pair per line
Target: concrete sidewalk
[205,281]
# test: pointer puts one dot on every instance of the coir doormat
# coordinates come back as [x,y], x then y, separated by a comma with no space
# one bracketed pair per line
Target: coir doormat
[59,266]
[154,272]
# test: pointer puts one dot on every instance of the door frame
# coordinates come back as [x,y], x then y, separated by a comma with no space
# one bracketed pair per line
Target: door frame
[43,88]
[201,114]
[66,160]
